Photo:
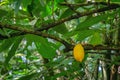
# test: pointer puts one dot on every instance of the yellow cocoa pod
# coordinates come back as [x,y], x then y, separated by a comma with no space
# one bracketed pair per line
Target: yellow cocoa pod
[78,52]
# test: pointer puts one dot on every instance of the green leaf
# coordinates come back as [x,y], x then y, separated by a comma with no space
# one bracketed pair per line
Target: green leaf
[3,13]
[6,44]
[66,13]
[45,48]
[48,10]
[32,38]
[70,34]
[80,35]
[91,21]
[61,29]
[96,39]
[13,49]
[85,58]
[84,34]
[25,3]
[38,11]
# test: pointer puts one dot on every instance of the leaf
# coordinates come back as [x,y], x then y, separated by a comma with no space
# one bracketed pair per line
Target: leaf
[48,10]
[3,13]
[96,39]
[38,10]
[32,38]
[66,13]
[25,3]
[70,34]
[61,29]
[91,21]
[84,34]
[85,58]
[13,49]
[45,48]
[6,44]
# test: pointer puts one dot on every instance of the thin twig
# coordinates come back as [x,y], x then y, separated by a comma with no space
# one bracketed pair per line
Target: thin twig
[71,7]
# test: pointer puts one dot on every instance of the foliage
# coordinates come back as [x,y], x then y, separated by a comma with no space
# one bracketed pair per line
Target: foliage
[38,36]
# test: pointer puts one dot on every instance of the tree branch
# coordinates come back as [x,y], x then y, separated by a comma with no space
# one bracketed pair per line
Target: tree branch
[68,46]
[100,47]
[97,47]
[53,24]
[87,4]
[29,31]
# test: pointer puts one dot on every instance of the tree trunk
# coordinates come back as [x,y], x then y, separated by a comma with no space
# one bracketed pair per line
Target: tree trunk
[108,70]
[117,43]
